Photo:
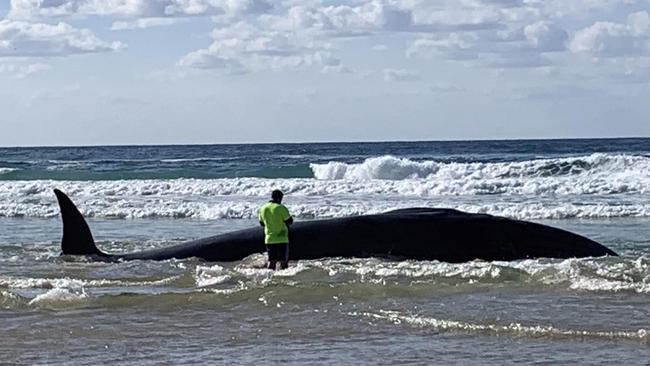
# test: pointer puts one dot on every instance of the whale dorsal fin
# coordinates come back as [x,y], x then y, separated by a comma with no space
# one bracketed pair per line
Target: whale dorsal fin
[77,238]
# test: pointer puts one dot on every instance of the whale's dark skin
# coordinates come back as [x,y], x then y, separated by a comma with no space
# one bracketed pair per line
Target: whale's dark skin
[415,233]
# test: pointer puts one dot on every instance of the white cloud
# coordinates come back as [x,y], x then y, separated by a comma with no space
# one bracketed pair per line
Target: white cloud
[337,69]
[423,47]
[545,36]
[24,39]
[585,8]
[445,88]
[517,47]
[639,23]
[39,9]
[515,61]
[400,75]
[253,35]
[21,71]
[608,39]
[206,7]
[604,38]
[242,47]
[374,16]
[343,18]
[143,23]
[456,46]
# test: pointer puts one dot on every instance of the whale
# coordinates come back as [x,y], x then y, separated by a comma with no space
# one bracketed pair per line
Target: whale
[441,234]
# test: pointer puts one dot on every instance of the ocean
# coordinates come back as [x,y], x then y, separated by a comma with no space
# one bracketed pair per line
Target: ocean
[69,310]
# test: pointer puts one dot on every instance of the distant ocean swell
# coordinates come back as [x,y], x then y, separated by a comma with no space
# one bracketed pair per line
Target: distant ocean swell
[387,167]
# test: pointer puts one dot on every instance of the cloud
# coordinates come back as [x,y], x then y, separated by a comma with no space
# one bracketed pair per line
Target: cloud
[544,36]
[400,75]
[39,9]
[208,7]
[342,20]
[445,88]
[241,48]
[371,17]
[586,9]
[556,92]
[454,47]
[337,69]
[143,23]
[630,70]
[24,39]
[537,33]
[515,61]
[255,35]
[517,47]
[21,71]
[608,39]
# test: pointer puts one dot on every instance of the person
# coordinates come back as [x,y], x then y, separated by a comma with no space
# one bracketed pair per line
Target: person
[275,219]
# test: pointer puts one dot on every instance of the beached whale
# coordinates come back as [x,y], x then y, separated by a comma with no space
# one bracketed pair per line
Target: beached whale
[415,233]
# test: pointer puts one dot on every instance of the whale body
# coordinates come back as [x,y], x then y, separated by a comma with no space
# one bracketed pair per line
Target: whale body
[415,233]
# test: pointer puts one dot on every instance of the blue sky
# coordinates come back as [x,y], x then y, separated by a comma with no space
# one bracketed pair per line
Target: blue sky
[224,71]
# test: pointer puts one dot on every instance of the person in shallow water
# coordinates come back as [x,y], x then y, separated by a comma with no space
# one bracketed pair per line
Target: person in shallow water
[275,219]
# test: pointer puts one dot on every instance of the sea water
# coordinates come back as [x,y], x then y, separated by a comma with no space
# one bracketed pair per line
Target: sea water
[57,309]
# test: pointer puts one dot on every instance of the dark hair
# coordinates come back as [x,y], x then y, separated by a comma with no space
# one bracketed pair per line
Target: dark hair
[277,195]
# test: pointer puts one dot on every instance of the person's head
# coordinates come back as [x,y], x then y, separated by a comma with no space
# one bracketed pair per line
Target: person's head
[277,195]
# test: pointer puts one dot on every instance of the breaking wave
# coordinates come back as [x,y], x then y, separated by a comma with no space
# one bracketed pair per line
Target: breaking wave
[593,186]
[395,168]
[7,170]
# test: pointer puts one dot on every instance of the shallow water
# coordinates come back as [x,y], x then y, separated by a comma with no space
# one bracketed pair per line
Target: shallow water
[368,311]
[68,310]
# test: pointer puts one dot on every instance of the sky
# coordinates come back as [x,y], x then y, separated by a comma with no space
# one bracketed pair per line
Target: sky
[92,72]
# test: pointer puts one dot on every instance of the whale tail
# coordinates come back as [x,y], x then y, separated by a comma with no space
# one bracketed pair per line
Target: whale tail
[77,238]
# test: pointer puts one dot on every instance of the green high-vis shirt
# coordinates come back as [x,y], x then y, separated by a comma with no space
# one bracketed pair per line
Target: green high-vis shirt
[273,215]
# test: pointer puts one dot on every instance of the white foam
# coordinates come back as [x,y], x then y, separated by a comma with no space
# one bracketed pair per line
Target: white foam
[208,276]
[8,300]
[29,200]
[58,296]
[621,274]
[54,283]
[63,291]
[598,185]
[586,274]
[602,285]
[7,170]
[512,328]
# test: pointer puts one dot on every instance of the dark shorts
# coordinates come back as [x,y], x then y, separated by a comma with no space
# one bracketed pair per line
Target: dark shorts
[278,252]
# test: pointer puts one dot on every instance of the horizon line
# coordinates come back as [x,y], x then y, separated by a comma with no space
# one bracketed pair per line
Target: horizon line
[325,142]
